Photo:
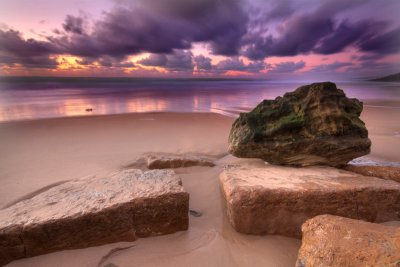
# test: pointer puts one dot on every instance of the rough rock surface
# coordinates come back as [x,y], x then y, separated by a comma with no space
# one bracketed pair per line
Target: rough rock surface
[166,161]
[94,211]
[337,241]
[278,199]
[384,172]
[315,124]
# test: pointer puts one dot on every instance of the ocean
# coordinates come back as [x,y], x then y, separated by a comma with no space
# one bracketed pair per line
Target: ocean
[37,98]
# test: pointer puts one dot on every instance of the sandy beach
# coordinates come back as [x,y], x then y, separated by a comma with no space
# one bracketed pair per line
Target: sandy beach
[39,153]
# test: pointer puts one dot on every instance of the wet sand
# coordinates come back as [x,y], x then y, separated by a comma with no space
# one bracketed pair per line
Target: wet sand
[36,154]
[383,124]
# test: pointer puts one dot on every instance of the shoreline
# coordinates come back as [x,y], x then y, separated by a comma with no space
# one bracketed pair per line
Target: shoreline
[231,112]
[108,115]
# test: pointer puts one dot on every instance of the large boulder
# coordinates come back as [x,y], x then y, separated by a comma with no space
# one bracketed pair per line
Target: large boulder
[336,241]
[93,211]
[315,124]
[279,199]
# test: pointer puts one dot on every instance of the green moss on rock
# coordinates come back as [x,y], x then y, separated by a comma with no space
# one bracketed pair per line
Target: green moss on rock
[315,124]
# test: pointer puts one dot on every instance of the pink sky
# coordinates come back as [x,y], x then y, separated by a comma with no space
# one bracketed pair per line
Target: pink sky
[175,38]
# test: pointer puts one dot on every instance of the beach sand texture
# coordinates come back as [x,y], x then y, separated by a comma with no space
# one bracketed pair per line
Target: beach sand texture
[38,154]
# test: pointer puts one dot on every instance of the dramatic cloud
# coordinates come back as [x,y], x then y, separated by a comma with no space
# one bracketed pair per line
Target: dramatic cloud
[158,26]
[331,67]
[344,35]
[203,63]
[29,62]
[179,60]
[303,33]
[12,43]
[385,43]
[299,34]
[73,24]
[236,64]
[244,33]
[159,60]
[30,53]
[280,10]
[287,67]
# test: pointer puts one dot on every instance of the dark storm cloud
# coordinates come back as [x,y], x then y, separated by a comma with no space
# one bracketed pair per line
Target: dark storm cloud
[105,61]
[29,62]
[168,28]
[159,26]
[344,35]
[230,64]
[287,67]
[203,63]
[179,60]
[154,26]
[281,9]
[237,64]
[159,60]
[299,34]
[30,53]
[73,24]
[316,32]
[386,43]
[12,43]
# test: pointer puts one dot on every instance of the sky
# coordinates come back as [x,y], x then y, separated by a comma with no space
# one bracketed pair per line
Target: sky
[277,40]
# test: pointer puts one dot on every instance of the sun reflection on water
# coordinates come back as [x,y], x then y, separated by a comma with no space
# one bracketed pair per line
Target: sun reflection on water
[65,100]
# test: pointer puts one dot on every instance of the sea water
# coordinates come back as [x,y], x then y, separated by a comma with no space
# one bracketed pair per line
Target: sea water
[35,98]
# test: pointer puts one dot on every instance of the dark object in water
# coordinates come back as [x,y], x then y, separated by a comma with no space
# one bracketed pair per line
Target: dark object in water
[195,213]
[89,109]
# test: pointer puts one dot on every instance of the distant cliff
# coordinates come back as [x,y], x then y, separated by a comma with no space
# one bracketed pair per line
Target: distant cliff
[389,78]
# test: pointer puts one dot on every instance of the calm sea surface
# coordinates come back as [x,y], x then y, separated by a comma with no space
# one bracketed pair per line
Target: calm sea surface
[46,98]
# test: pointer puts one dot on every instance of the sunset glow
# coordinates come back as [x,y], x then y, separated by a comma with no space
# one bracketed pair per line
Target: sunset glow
[254,39]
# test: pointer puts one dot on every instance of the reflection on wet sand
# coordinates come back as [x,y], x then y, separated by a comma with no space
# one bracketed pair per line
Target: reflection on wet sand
[147,105]
[86,106]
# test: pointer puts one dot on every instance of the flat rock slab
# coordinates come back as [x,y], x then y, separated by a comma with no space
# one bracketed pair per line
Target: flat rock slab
[384,172]
[278,200]
[94,211]
[167,161]
[337,241]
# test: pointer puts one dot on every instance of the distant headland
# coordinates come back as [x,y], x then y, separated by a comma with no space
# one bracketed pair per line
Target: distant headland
[389,78]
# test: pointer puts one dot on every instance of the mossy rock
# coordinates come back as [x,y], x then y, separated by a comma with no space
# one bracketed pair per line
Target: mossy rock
[315,124]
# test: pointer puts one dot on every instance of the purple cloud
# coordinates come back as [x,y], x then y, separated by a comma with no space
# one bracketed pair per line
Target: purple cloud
[158,27]
[287,67]
[12,43]
[385,43]
[167,29]
[179,60]
[237,64]
[30,53]
[331,67]
[344,35]
[203,63]
[73,24]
